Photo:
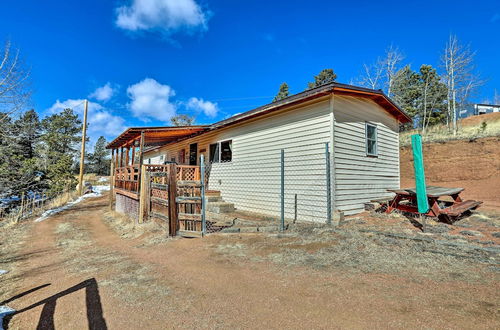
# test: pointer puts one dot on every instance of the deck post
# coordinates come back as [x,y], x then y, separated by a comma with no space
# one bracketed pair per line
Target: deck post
[282,219]
[202,181]
[111,179]
[328,187]
[141,152]
[133,154]
[172,204]
[127,157]
[143,194]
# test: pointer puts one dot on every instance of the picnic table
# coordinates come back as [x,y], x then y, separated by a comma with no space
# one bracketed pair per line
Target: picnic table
[406,200]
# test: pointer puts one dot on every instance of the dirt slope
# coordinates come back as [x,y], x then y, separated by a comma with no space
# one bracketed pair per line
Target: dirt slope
[471,164]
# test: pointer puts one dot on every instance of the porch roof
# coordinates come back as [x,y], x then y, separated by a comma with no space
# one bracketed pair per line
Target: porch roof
[154,136]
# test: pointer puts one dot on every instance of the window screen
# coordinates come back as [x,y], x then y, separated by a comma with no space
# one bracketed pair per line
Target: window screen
[371,140]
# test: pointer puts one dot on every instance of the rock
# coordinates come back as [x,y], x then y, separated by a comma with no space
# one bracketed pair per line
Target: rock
[471,233]
[496,234]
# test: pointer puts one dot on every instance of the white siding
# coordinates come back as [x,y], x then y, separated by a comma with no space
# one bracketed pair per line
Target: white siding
[360,178]
[252,180]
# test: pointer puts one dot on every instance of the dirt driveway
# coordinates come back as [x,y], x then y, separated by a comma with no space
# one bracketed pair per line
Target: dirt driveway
[74,271]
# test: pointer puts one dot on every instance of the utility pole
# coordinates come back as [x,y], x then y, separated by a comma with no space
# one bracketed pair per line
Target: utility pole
[82,154]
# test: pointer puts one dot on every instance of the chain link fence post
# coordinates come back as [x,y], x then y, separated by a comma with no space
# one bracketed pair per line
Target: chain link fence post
[202,180]
[282,220]
[328,187]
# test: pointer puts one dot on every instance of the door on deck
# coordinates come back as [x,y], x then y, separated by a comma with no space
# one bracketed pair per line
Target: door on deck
[193,154]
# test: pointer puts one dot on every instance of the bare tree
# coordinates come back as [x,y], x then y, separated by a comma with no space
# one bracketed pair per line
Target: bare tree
[496,98]
[392,63]
[383,71]
[15,90]
[372,75]
[460,78]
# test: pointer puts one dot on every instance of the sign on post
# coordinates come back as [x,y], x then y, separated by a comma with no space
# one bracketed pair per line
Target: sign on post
[418,164]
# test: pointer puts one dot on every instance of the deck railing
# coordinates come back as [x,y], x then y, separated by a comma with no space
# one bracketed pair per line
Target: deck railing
[128,177]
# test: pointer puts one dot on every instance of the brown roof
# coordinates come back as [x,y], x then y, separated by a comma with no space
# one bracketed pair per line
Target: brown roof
[156,136]
[338,89]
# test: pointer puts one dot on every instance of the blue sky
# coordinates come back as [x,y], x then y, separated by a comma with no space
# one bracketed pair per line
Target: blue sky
[140,61]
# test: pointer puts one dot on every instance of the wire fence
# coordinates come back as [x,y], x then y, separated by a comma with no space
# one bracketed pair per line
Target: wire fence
[285,185]
[33,204]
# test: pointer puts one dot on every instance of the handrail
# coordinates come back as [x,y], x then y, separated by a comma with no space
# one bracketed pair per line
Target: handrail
[128,177]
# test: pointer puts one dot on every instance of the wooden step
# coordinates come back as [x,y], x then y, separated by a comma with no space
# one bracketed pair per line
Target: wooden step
[212,193]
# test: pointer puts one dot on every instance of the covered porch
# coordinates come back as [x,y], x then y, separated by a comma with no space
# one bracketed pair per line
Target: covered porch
[127,152]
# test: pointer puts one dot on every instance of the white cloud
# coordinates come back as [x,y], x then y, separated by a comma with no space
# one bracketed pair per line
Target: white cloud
[208,108]
[166,16]
[103,93]
[151,100]
[100,120]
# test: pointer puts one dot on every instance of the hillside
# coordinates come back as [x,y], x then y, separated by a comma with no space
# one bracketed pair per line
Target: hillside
[469,128]
[473,164]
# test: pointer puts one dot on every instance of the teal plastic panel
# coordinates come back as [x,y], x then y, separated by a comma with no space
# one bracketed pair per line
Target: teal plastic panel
[418,164]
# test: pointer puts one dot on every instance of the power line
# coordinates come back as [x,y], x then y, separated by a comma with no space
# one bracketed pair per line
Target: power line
[242,98]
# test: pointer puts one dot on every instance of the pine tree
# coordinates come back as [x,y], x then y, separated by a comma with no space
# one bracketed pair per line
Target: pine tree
[282,93]
[28,131]
[61,135]
[324,77]
[99,161]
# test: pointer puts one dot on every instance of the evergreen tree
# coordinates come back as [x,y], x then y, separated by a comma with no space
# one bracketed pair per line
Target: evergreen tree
[432,98]
[406,91]
[324,77]
[282,93]
[61,135]
[61,132]
[99,161]
[421,95]
[28,130]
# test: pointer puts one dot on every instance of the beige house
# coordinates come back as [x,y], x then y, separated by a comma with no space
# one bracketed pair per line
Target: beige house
[244,152]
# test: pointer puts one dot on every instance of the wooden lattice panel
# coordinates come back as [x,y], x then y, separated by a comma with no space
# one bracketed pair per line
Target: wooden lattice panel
[159,193]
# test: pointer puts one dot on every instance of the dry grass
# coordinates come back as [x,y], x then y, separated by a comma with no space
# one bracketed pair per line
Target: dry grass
[351,251]
[151,233]
[12,239]
[441,133]
[126,278]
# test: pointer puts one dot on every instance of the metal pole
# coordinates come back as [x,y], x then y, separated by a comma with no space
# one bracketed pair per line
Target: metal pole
[328,187]
[82,155]
[282,222]
[202,175]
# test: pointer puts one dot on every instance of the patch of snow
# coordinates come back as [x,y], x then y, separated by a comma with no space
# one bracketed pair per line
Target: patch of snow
[3,271]
[103,179]
[96,192]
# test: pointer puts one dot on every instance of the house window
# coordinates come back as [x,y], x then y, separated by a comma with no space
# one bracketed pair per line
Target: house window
[371,140]
[214,153]
[226,151]
[221,152]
